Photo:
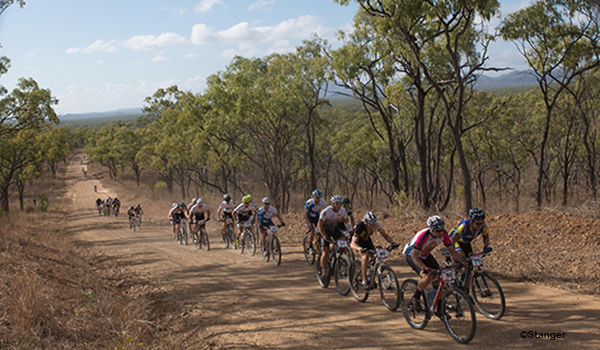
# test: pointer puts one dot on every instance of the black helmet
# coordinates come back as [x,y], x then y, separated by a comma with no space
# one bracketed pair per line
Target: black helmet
[182,204]
[131,207]
[226,197]
[476,214]
[346,201]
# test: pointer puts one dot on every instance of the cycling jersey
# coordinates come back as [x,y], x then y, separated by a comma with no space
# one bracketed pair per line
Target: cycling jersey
[331,218]
[131,213]
[425,242]
[243,212]
[314,207]
[198,211]
[360,230]
[464,231]
[264,215]
[227,208]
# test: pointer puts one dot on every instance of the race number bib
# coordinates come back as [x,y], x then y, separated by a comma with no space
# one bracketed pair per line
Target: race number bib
[476,260]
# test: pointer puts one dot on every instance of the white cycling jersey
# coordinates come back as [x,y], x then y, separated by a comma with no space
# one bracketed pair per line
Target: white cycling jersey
[198,209]
[331,218]
[227,207]
[242,209]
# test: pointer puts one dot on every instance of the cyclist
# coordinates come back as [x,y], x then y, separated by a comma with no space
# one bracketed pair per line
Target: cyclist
[265,215]
[312,209]
[177,212]
[226,209]
[328,227]
[197,214]
[189,207]
[362,242]
[139,212]
[130,214]
[107,205]
[348,206]
[242,214]
[95,188]
[468,230]
[419,257]
[116,204]
[98,202]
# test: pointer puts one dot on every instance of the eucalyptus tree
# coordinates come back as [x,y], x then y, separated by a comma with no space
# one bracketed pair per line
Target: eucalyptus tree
[559,40]
[55,145]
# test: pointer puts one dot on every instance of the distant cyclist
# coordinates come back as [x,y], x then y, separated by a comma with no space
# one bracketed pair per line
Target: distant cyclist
[139,212]
[265,215]
[329,227]
[243,214]
[198,212]
[176,214]
[312,209]
[130,214]
[225,209]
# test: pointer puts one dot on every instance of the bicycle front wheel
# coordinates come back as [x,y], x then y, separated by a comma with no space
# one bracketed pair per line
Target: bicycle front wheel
[488,295]
[276,250]
[239,243]
[342,279]
[458,314]
[322,276]
[250,244]
[388,287]
[205,240]
[355,280]
[185,235]
[417,319]
[309,250]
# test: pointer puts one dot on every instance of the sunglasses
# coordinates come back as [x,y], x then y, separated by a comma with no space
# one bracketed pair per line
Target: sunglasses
[478,223]
[439,230]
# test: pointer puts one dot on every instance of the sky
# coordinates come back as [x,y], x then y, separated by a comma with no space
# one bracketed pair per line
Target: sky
[103,55]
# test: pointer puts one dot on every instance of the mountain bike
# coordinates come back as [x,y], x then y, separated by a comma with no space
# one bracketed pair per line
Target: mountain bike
[246,240]
[484,289]
[272,245]
[338,266]
[115,211]
[135,222]
[379,274]
[311,248]
[448,302]
[182,235]
[99,207]
[200,236]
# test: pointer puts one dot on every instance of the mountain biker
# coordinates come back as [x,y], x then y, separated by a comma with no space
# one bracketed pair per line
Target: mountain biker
[130,214]
[225,209]
[95,188]
[98,202]
[242,214]
[312,210]
[265,214]
[107,204]
[177,213]
[419,257]
[348,206]
[189,207]
[139,212]
[468,230]
[328,227]
[116,204]
[197,214]
[362,242]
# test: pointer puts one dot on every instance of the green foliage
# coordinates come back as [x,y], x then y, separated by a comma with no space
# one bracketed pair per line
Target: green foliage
[42,201]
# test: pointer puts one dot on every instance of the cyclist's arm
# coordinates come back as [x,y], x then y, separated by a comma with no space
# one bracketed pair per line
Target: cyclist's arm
[486,240]
[207,213]
[321,229]
[306,217]
[386,236]
[280,218]
[414,256]
[219,211]
[354,243]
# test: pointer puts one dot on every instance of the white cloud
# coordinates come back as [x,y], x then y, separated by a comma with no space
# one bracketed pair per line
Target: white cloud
[160,58]
[151,42]
[261,5]
[102,46]
[191,56]
[206,5]
[281,46]
[244,49]
[72,50]
[297,28]
[99,61]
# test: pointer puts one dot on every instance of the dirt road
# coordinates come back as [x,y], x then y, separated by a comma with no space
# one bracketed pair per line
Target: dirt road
[234,301]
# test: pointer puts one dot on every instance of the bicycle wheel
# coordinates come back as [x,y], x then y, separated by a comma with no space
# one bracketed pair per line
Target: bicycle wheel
[184,234]
[232,238]
[416,319]
[204,238]
[488,295]
[355,281]
[388,287]
[458,314]
[240,246]
[266,252]
[250,243]
[197,238]
[132,225]
[307,247]
[322,276]
[276,250]
[342,280]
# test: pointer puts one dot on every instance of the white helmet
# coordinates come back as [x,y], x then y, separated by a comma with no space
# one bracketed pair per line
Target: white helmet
[199,201]
[370,217]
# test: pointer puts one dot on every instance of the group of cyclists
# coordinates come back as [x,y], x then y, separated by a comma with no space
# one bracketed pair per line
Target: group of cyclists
[246,212]
[331,221]
[112,206]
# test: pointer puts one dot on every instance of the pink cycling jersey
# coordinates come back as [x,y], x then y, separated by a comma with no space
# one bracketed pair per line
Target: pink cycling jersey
[425,242]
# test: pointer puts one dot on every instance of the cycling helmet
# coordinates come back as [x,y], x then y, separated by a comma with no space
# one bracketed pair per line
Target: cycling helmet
[370,217]
[174,205]
[182,204]
[435,222]
[199,201]
[317,193]
[336,198]
[247,199]
[266,200]
[476,214]
[346,201]
[137,206]
[131,207]
[194,200]
[226,197]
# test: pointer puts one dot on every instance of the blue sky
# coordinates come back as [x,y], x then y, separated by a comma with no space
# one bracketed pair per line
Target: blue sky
[103,55]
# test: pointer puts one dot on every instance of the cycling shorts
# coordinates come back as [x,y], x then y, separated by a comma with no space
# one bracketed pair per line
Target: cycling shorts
[198,216]
[366,243]
[429,262]
[227,215]
[241,219]
[264,226]
[336,234]
[465,247]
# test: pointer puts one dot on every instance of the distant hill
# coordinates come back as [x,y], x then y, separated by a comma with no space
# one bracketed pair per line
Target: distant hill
[508,80]
[123,112]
